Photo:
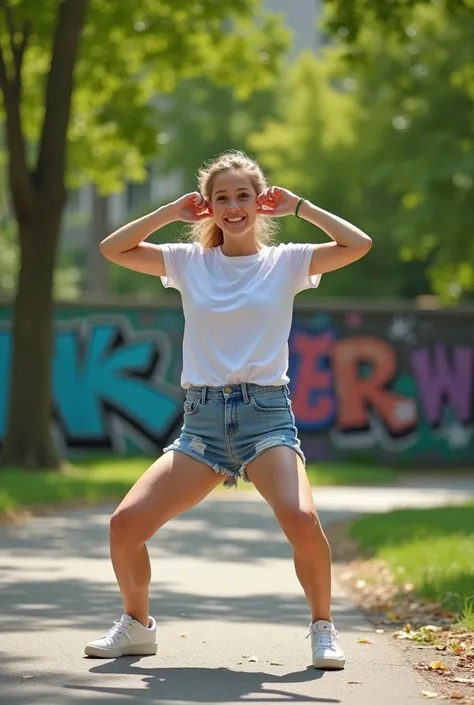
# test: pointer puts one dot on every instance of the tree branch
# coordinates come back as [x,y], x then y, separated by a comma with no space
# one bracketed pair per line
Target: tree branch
[10,24]
[20,183]
[20,49]
[4,83]
[17,48]
[51,166]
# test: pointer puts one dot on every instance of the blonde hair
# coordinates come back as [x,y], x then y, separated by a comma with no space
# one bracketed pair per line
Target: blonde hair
[207,232]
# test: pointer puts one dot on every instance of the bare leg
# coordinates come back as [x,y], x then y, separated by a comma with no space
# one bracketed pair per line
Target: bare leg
[173,484]
[280,477]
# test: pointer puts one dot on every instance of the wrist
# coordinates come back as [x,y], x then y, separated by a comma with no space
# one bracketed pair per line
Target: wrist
[167,213]
[299,203]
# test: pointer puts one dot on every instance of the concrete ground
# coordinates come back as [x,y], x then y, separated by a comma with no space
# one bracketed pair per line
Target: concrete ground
[231,616]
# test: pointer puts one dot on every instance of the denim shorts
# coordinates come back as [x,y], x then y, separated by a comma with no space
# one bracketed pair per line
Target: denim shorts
[228,427]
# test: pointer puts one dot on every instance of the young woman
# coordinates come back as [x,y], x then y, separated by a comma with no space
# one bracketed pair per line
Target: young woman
[237,292]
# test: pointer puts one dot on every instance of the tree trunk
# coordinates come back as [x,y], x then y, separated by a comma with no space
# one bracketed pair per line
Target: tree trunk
[97,265]
[28,442]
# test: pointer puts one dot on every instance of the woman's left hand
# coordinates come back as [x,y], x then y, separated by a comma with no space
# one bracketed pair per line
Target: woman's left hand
[277,202]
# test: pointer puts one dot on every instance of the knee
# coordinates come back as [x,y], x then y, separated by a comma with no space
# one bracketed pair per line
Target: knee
[121,527]
[302,527]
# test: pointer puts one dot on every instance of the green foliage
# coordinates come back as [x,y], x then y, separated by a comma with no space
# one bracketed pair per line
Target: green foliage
[348,18]
[131,53]
[421,96]
[324,147]
[202,120]
[382,135]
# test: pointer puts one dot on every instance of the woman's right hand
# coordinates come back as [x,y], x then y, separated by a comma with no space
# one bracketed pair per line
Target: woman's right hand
[191,208]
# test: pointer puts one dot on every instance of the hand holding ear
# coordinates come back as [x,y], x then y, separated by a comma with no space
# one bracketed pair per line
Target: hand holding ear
[277,202]
[192,207]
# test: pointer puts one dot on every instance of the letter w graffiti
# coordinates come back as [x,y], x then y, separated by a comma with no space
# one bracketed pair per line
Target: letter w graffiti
[441,381]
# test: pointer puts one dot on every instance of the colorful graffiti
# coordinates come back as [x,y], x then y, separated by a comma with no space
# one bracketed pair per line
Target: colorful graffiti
[387,386]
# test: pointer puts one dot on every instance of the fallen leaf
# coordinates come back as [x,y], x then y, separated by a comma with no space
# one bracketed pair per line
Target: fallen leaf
[456,696]
[437,666]
[379,631]
[363,640]
[354,682]
[183,635]
[26,678]
[428,694]
[254,659]
[276,663]
[469,681]
[459,648]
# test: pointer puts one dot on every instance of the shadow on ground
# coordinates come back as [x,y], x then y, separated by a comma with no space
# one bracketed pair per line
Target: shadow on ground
[235,531]
[160,685]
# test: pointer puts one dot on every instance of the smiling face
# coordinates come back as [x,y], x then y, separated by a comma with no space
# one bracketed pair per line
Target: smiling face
[234,202]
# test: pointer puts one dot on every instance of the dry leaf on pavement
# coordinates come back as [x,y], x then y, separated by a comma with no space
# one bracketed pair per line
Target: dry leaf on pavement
[437,666]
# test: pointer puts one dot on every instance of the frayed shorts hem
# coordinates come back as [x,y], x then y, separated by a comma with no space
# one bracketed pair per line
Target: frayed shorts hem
[241,474]
[231,480]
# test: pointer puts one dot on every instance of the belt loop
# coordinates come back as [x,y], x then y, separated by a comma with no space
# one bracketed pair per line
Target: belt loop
[245,395]
[203,395]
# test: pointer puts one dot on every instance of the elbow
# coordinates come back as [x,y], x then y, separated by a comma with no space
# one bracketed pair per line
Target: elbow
[104,248]
[366,244]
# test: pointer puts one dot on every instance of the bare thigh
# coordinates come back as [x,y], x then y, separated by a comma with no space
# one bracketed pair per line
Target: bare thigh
[173,484]
[280,477]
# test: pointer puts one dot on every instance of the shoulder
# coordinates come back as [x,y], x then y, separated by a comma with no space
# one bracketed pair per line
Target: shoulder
[181,247]
[181,251]
[290,250]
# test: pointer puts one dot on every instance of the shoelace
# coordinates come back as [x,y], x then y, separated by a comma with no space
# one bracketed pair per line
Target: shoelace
[115,632]
[326,638]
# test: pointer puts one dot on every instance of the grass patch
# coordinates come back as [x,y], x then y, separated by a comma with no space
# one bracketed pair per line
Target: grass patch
[96,479]
[431,548]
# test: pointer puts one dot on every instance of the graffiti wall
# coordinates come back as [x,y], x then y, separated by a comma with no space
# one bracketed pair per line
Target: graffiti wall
[376,386]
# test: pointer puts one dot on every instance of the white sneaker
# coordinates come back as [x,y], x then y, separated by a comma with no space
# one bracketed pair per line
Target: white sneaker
[327,652]
[126,638]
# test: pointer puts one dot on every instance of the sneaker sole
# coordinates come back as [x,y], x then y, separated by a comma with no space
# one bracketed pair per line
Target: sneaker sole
[136,650]
[329,664]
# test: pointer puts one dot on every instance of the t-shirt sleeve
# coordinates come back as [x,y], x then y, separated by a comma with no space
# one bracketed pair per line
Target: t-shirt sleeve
[299,255]
[176,256]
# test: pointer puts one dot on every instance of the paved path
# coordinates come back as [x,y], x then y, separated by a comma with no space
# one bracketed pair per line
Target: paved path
[232,619]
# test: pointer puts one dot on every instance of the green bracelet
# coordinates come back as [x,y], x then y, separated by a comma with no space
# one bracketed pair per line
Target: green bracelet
[300,202]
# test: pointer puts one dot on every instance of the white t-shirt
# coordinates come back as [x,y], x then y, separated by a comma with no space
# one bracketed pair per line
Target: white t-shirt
[237,310]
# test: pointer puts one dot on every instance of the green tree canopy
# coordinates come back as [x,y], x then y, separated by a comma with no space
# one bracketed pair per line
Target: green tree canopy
[383,136]
[323,147]
[419,96]
[348,18]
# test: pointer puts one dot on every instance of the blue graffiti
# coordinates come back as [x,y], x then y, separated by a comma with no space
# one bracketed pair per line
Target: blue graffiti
[102,376]
[5,366]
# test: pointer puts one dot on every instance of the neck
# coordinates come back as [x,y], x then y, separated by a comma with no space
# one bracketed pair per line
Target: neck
[240,247]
